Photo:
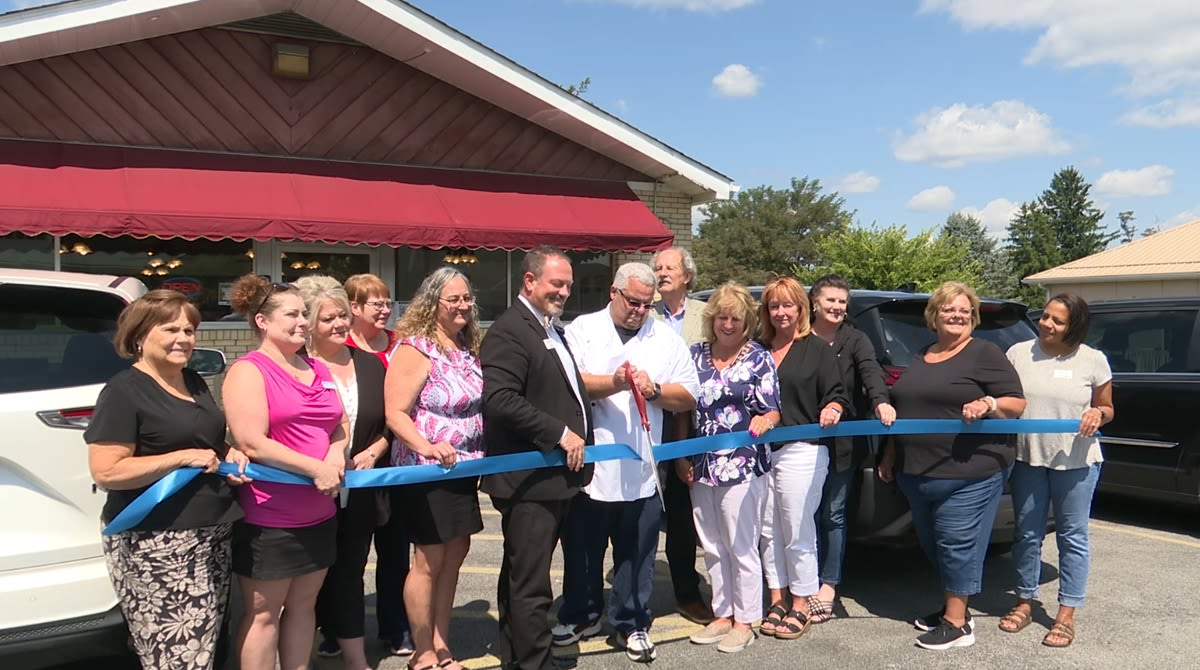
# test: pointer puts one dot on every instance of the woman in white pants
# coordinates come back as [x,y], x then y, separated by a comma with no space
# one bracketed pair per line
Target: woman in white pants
[738,392]
[811,391]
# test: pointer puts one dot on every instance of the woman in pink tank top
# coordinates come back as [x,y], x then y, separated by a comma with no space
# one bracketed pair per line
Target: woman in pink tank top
[284,411]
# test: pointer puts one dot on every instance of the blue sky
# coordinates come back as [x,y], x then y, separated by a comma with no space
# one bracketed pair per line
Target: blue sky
[911,109]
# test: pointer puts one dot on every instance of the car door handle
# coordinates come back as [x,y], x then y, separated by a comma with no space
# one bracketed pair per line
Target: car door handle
[1137,442]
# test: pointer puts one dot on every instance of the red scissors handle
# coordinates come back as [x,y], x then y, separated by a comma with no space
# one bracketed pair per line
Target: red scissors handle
[637,397]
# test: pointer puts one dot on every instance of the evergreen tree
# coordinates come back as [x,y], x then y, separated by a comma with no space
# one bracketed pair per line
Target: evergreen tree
[1032,247]
[1073,216]
[995,276]
[1128,230]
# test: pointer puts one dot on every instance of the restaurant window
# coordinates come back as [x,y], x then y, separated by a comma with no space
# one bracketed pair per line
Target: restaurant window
[201,269]
[27,252]
[495,277]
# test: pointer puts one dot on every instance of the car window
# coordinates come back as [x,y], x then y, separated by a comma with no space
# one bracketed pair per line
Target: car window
[1145,340]
[905,333]
[52,337]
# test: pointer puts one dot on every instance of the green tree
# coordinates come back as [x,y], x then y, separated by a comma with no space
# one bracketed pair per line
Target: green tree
[1032,247]
[578,89]
[764,231]
[887,258]
[1062,225]
[995,277]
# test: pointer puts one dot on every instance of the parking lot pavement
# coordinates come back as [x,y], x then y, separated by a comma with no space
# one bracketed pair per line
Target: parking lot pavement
[1142,609]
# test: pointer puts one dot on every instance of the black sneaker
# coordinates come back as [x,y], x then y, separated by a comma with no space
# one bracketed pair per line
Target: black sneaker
[931,621]
[947,636]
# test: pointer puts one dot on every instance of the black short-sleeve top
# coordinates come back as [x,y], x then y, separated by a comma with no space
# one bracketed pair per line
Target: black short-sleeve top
[134,409]
[939,391]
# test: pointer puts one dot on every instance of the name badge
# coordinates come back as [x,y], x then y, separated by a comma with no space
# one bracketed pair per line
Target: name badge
[329,385]
[549,343]
[1064,374]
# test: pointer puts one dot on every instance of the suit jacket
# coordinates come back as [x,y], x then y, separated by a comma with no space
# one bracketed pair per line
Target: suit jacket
[693,319]
[527,401]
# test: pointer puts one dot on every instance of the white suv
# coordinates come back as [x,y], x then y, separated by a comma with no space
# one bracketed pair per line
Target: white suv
[56,601]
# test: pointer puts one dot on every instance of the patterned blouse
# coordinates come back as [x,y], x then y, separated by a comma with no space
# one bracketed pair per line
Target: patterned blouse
[728,399]
[450,407]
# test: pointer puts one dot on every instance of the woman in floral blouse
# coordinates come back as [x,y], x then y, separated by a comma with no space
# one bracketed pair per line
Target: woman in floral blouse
[738,392]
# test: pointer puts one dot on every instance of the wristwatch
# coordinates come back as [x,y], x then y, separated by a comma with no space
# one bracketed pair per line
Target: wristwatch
[657,392]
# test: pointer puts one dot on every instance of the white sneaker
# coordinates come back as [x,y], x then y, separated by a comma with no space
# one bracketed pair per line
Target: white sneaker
[638,646]
[566,634]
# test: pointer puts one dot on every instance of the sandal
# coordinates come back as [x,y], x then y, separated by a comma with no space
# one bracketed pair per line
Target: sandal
[774,619]
[790,631]
[1016,620]
[819,610]
[1061,634]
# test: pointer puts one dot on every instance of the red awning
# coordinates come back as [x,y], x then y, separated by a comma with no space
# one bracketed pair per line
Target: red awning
[88,190]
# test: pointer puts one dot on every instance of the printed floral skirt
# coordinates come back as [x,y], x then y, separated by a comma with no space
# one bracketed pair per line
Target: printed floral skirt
[173,586]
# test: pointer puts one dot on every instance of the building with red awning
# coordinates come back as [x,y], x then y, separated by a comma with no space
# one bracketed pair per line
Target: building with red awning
[190,142]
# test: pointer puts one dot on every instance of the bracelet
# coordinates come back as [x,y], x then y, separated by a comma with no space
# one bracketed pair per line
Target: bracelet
[834,409]
[990,402]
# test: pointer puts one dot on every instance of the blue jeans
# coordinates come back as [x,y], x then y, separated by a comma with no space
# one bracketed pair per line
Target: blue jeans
[633,528]
[1033,490]
[831,525]
[953,519]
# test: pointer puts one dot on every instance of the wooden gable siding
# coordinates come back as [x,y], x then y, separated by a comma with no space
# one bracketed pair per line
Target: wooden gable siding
[212,90]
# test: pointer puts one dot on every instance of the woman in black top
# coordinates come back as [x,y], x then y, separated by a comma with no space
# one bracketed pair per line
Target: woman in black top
[863,379]
[358,376]
[953,482]
[149,420]
[810,391]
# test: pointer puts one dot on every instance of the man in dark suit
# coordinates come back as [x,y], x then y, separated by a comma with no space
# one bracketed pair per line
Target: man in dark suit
[533,400]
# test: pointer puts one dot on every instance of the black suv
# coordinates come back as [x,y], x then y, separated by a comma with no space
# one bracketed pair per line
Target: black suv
[894,321]
[1152,447]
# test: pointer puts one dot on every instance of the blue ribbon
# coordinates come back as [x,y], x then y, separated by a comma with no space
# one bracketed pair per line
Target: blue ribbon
[170,484]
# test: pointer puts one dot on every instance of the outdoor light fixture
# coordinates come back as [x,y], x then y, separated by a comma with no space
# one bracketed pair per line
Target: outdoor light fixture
[460,257]
[289,61]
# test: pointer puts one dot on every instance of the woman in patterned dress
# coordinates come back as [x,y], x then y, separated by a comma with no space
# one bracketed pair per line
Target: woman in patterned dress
[171,572]
[738,391]
[434,399]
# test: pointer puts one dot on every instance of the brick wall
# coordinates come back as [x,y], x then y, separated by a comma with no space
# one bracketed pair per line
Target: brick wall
[675,211]
[233,341]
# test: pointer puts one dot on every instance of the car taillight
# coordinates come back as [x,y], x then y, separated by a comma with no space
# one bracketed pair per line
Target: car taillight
[76,417]
[891,373]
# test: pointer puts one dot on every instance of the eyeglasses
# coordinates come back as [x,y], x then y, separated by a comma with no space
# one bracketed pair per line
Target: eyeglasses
[631,303]
[379,305]
[950,311]
[459,300]
[275,286]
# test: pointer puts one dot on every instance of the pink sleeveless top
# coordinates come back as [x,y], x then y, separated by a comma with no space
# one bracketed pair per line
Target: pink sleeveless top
[302,417]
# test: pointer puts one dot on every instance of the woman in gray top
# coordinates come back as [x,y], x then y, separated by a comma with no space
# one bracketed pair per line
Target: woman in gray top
[1063,379]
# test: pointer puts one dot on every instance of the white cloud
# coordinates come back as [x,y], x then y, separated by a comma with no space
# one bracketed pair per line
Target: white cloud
[622,107]
[1146,182]
[994,216]
[932,199]
[699,216]
[1156,43]
[857,182]
[736,81]
[1186,216]
[1165,114]
[957,135]
[690,5]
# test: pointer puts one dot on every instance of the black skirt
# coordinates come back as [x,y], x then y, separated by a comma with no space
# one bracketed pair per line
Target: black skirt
[438,512]
[283,553]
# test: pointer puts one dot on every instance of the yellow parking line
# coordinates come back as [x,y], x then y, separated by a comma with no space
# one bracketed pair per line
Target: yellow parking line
[1144,534]
[599,645]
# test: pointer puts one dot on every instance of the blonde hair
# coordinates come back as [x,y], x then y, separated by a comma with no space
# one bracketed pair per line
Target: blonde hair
[420,318]
[945,293]
[733,297]
[784,289]
[314,291]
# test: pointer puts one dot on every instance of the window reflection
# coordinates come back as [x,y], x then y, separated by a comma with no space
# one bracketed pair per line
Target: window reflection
[27,252]
[203,270]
